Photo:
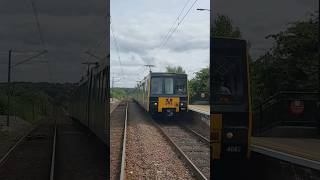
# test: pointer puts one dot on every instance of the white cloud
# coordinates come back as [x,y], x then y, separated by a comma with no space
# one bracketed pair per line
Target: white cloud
[139,30]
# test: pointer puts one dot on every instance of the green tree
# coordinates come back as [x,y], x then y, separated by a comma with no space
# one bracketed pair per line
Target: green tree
[175,69]
[292,64]
[223,27]
[200,82]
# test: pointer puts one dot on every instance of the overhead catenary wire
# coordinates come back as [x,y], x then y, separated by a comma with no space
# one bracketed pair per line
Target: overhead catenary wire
[42,41]
[179,23]
[177,19]
[116,46]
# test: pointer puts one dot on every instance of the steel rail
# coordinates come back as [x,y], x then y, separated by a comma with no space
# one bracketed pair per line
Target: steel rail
[11,150]
[123,156]
[53,157]
[206,140]
[199,175]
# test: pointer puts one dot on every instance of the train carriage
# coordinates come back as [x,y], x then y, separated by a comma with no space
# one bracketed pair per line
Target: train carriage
[90,102]
[230,103]
[163,94]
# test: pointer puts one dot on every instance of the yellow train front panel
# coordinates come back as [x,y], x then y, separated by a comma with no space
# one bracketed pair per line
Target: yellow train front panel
[168,103]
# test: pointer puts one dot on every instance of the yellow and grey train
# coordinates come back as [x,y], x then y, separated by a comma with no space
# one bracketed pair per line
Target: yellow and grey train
[163,94]
[230,102]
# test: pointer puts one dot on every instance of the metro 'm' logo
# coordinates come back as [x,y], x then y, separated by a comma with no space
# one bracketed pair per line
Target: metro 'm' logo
[169,101]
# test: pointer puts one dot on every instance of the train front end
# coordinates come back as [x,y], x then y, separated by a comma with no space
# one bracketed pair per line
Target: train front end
[230,99]
[168,94]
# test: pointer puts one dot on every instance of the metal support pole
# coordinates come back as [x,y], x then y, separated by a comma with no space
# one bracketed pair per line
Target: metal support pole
[9,87]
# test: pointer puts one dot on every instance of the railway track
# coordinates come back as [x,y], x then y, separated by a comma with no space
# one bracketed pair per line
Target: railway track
[124,140]
[146,153]
[193,147]
[117,125]
[32,155]
[78,154]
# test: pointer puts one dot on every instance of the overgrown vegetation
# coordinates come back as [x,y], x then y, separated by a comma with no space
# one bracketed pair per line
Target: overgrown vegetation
[292,64]
[121,93]
[32,101]
[200,83]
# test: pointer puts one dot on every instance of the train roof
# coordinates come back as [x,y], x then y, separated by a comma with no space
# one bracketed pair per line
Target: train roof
[162,74]
[166,74]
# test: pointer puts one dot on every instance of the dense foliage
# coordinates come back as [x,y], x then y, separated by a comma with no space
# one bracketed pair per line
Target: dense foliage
[223,27]
[200,82]
[32,101]
[292,64]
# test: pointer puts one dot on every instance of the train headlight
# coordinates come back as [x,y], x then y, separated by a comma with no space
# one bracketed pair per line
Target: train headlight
[155,103]
[230,135]
[182,104]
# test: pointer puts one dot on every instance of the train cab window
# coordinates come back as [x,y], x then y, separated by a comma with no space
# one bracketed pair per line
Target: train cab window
[228,80]
[156,85]
[180,86]
[168,85]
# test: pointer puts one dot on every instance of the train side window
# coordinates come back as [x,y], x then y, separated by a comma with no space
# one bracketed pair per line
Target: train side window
[103,85]
[99,86]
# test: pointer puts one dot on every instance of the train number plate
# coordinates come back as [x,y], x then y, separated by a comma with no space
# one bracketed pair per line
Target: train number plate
[233,149]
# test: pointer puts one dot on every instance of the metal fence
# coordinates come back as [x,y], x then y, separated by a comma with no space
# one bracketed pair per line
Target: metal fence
[287,109]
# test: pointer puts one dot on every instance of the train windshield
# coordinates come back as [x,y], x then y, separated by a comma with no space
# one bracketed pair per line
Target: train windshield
[228,78]
[168,85]
[156,86]
[180,86]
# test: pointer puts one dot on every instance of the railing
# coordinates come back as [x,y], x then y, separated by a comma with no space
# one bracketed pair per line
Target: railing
[287,108]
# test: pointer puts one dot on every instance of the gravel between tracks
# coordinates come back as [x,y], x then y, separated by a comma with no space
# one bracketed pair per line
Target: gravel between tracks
[32,157]
[149,155]
[196,150]
[80,155]
[116,136]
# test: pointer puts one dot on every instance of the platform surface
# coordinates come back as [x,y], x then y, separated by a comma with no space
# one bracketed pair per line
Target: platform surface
[308,148]
[205,109]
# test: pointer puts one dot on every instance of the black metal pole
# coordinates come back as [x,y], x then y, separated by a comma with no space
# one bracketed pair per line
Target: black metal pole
[9,87]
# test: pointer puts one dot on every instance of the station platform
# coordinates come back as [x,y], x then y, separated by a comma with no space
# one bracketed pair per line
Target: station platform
[203,109]
[302,151]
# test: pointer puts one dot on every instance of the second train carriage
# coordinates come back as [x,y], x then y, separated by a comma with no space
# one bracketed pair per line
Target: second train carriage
[90,101]
[163,93]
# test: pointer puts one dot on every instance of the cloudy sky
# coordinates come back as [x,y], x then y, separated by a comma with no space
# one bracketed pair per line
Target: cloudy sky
[258,18]
[69,27]
[140,26]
